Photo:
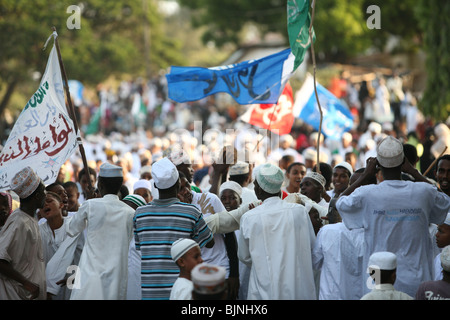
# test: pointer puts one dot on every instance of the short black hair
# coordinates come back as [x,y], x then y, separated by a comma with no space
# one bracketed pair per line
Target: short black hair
[111,185]
[288,170]
[326,171]
[90,170]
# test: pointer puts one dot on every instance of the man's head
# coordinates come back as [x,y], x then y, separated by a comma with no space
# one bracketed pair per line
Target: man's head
[230,193]
[143,188]
[383,267]
[181,160]
[134,201]
[390,153]
[29,187]
[166,178]
[83,178]
[110,179]
[445,259]
[186,254]
[72,196]
[268,181]
[443,173]
[240,172]
[443,233]
[58,188]
[312,186]
[184,193]
[341,176]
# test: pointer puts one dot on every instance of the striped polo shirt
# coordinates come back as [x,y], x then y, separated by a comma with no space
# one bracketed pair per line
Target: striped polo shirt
[156,226]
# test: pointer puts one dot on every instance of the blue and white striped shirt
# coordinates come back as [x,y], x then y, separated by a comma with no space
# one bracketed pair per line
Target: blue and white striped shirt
[156,226]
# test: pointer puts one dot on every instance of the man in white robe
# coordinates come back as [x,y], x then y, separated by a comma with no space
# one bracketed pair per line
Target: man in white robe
[395,214]
[276,240]
[103,268]
[22,267]
[338,254]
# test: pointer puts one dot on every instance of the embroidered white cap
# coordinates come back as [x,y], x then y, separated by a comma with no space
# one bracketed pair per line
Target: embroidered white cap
[390,152]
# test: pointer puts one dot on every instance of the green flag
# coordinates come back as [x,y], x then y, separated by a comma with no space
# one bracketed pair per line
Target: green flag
[94,124]
[299,20]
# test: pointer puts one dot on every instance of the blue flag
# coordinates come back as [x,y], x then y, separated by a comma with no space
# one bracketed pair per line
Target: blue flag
[248,82]
[336,116]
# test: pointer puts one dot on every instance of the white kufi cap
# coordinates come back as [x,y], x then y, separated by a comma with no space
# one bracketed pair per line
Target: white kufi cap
[25,182]
[236,187]
[164,173]
[181,246]
[269,178]
[108,170]
[390,152]
[383,260]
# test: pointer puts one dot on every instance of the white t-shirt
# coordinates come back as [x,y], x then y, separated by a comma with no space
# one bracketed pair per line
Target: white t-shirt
[182,289]
[208,203]
[396,215]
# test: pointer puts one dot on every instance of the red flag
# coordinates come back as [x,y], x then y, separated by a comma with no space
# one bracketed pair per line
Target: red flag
[277,118]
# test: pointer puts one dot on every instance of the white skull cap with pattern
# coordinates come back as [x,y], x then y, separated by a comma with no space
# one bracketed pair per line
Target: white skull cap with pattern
[240,167]
[25,182]
[390,152]
[109,170]
[317,177]
[270,178]
[181,246]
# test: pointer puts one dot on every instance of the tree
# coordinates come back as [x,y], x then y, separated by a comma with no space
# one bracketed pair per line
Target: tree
[434,19]
[110,40]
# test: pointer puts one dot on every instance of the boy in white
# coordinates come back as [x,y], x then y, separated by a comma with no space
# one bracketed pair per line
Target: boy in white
[187,254]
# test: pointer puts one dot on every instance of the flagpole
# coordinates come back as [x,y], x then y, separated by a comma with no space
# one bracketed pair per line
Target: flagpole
[313,5]
[72,114]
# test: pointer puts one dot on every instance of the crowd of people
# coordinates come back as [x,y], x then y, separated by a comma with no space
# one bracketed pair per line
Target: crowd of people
[223,210]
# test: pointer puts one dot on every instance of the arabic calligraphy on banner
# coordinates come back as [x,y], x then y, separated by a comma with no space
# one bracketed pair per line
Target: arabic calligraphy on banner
[43,136]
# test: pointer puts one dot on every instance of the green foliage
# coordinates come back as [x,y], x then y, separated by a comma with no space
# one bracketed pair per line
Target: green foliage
[110,41]
[434,19]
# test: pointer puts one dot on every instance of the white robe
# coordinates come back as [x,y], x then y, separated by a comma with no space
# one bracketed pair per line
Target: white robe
[103,268]
[276,240]
[182,289]
[338,254]
[209,204]
[60,252]
[395,216]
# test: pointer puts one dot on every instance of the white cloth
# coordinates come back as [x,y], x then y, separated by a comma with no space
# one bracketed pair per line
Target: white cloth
[338,254]
[134,291]
[395,216]
[208,203]
[21,246]
[60,252]
[438,268]
[182,289]
[386,291]
[103,268]
[276,240]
